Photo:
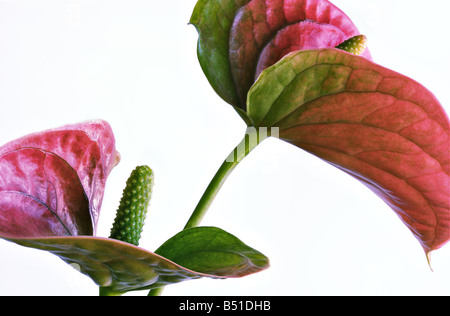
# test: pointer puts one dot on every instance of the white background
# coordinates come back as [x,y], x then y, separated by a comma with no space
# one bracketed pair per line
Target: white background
[133,63]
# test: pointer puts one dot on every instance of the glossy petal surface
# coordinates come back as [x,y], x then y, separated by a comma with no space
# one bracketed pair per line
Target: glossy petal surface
[381,127]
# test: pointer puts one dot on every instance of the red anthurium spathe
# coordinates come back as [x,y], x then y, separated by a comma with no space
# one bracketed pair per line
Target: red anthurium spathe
[62,174]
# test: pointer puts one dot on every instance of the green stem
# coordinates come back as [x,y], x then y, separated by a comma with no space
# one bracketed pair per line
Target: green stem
[247,144]
[251,139]
[156,292]
[107,292]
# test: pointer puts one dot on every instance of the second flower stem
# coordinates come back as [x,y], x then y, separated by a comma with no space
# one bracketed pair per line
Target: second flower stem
[251,139]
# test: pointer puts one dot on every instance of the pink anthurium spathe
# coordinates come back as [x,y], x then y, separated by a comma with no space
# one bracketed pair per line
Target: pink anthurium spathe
[60,174]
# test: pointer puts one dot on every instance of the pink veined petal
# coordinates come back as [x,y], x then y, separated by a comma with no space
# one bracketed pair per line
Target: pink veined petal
[87,148]
[41,195]
[264,31]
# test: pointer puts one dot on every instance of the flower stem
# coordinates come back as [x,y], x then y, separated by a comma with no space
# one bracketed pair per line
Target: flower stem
[103,291]
[248,143]
[251,139]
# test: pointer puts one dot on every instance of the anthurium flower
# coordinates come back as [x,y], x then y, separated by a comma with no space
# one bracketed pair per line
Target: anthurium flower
[276,63]
[239,39]
[51,191]
[52,182]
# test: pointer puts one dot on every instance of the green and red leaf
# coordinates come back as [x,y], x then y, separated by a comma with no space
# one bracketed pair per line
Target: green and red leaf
[121,267]
[379,126]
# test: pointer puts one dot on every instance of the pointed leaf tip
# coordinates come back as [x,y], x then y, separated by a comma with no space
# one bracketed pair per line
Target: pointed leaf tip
[428,254]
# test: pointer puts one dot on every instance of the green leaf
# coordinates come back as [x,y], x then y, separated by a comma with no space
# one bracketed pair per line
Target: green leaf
[379,126]
[213,20]
[120,267]
[211,250]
